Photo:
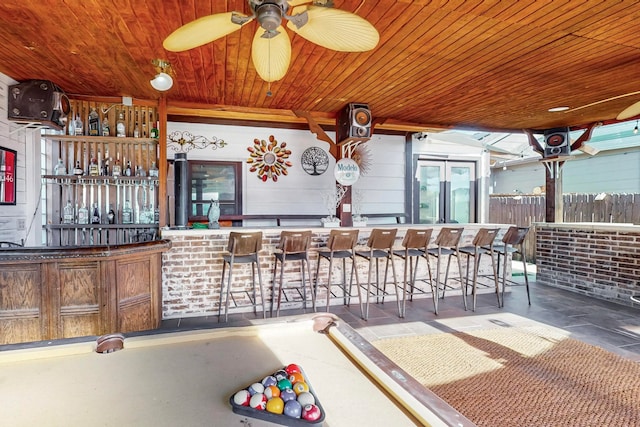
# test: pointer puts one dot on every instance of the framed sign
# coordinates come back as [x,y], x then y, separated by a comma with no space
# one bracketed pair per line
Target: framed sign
[7,176]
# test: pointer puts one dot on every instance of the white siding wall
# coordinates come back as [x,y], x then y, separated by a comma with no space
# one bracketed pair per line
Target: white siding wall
[609,171]
[15,220]
[298,192]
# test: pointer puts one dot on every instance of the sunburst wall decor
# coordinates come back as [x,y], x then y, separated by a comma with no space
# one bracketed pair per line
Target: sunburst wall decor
[268,159]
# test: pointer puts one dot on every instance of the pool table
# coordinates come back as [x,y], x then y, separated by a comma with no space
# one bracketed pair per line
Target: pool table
[186,378]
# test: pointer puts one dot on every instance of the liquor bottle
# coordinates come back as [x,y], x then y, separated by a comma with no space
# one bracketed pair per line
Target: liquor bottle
[153,170]
[127,170]
[154,130]
[107,163]
[78,170]
[95,217]
[106,131]
[121,130]
[83,215]
[94,169]
[72,126]
[94,123]
[127,214]
[67,217]
[117,168]
[79,130]
[144,130]
[111,215]
[60,169]
[136,131]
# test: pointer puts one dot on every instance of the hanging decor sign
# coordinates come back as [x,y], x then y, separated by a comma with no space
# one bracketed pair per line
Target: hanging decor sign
[346,171]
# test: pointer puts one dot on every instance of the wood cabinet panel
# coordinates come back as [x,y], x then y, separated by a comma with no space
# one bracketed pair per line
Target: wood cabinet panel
[51,293]
[20,304]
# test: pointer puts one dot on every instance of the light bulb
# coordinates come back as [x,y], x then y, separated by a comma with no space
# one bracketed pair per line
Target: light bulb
[162,82]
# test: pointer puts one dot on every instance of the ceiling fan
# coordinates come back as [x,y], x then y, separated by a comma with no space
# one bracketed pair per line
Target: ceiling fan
[629,112]
[314,20]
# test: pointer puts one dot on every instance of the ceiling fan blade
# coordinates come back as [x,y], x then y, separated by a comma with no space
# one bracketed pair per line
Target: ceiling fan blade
[631,111]
[294,3]
[202,31]
[336,29]
[271,56]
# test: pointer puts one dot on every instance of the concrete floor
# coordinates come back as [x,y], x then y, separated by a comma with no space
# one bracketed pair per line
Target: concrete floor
[608,325]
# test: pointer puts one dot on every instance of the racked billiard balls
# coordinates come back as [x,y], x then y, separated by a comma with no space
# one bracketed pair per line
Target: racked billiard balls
[306,398]
[293,409]
[311,413]
[287,394]
[242,398]
[258,401]
[275,405]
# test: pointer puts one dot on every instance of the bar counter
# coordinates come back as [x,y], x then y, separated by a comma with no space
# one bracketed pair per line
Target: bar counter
[192,268]
[63,292]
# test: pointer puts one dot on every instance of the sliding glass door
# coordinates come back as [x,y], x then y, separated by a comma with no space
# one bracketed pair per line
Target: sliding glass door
[445,192]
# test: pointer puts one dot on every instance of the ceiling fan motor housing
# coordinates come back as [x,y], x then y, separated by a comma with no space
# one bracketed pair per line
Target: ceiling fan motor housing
[269,13]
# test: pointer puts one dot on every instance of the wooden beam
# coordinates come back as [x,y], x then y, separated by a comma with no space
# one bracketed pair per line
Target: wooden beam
[317,130]
[226,112]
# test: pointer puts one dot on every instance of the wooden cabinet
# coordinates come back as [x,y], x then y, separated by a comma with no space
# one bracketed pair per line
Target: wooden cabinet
[52,293]
[99,207]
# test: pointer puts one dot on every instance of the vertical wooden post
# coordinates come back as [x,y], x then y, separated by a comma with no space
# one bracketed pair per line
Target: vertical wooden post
[162,161]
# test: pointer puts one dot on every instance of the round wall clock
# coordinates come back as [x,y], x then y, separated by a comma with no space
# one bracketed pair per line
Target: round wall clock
[314,160]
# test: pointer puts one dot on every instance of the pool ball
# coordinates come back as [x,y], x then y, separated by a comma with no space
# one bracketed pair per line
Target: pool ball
[269,380]
[287,394]
[258,401]
[242,398]
[271,391]
[300,387]
[256,388]
[292,368]
[295,377]
[293,409]
[311,413]
[306,398]
[284,384]
[275,405]
[281,374]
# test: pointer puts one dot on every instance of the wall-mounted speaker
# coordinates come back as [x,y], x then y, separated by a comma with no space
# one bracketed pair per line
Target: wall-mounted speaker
[556,142]
[354,121]
[38,101]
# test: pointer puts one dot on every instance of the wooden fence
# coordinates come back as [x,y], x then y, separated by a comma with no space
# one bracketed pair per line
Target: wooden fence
[524,210]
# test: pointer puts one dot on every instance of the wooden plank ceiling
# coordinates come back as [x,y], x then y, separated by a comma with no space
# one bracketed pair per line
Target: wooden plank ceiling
[494,65]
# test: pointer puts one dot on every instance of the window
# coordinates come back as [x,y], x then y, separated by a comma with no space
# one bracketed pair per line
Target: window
[208,180]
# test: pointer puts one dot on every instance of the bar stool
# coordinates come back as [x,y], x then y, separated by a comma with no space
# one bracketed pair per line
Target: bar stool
[447,244]
[482,244]
[415,244]
[243,248]
[294,246]
[379,246]
[340,245]
[513,242]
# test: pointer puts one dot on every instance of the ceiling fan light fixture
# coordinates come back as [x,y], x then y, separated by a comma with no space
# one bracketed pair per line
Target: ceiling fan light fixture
[163,80]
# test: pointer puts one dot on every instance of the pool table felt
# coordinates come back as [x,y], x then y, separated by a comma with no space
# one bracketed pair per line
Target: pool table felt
[185,379]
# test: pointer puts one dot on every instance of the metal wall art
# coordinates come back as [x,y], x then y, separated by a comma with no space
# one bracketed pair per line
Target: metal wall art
[268,159]
[314,160]
[183,142]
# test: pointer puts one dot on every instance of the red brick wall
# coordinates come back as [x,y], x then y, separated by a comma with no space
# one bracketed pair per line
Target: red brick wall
[192,268]
[599,261]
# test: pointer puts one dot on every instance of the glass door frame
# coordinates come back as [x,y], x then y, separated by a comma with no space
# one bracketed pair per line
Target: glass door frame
[445,203]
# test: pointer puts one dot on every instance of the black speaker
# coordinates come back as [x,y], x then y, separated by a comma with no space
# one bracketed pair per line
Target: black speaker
[354,121]
[556,142]
[39,101]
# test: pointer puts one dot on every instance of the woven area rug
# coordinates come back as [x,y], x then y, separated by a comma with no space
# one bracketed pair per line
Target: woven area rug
[529,376]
